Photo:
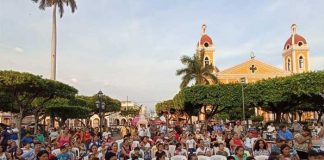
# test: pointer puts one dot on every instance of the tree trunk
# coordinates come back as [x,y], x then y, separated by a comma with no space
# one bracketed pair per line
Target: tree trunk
[19,120]
[36,116]
[53,45]
[300,116]
[320,113]
[278,117]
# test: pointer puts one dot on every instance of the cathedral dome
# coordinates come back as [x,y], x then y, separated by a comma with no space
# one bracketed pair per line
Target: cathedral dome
[294,38]
[205,39]
[300,40]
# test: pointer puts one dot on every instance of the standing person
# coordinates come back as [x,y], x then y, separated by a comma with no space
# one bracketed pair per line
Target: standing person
[40,137]
[191,144]
[270,130]
[238,128]
[303,143]
[124,130]
[284,133]
[4,137]
[249,141]
[297,128]
[227,128]
[64,138]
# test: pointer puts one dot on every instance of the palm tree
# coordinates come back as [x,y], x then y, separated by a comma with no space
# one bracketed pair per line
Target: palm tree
[60,4]
[196,70]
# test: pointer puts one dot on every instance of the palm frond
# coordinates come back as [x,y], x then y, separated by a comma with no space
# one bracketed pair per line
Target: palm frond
[186,60]
[73,5]
[182,71]
[61,7]
[185,81]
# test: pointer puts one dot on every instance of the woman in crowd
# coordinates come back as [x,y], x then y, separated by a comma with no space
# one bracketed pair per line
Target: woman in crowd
[125,150]
[285,153]
[236,141]
[4,155]
[180,151]
[64,138]
[239,153]
[42,155]
[94,152]
[261,148]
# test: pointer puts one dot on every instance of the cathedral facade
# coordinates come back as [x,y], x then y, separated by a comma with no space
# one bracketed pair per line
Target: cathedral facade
[295,56]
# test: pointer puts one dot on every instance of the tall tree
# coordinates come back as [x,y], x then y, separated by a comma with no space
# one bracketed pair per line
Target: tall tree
[195,70]
[54,4]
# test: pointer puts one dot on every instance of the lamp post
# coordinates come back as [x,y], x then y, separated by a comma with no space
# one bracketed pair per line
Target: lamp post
[243,81]
[101,106]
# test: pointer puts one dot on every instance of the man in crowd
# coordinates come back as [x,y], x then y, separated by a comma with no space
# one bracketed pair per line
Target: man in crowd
[284,133]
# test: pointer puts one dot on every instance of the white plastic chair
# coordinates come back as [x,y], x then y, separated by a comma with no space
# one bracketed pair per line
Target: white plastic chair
[76,151]
[203,158]
[216,149]
[153,151]
[172,149]
[261,157]
[247,153]
[56,152]
[178,157]
[135,144]
[118,144]
[218,157]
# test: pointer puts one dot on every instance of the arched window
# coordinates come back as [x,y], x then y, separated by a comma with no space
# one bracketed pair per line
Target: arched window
[206,61]
[300,43]
[288,65]
[301,62]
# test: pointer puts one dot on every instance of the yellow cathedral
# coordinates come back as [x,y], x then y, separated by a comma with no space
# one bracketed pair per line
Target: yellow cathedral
[295,56]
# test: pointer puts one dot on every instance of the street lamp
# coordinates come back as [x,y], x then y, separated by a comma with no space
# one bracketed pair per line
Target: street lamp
[101,106]
[243,81]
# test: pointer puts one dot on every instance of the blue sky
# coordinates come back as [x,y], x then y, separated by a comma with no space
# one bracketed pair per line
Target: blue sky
[132,47]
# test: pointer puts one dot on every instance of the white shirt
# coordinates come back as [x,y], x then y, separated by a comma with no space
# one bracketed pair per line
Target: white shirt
[147,132]
[248,143]
[141,132]
[271,128]
[202,150]
[191,143]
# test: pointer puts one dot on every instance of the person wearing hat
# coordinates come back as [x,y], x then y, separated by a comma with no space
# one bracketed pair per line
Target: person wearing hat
[303,143]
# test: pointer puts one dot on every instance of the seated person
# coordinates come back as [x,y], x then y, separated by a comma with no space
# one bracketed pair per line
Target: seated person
[221,150]
[202,150]
[137,153]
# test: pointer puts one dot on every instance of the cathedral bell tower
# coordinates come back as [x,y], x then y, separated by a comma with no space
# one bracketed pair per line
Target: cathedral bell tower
[205,47]
[296,53]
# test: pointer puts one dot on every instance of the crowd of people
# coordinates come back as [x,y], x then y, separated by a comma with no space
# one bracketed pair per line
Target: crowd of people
[160,142]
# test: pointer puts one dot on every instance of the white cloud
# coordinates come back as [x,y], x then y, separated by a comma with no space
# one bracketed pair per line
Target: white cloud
[18,49]
[74,80]
[317,63]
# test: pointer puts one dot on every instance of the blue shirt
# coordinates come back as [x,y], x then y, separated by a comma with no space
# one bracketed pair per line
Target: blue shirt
[27,140]
[287,135]
[63,156]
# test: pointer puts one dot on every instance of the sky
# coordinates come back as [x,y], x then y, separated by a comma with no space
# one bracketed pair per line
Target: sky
[131,48]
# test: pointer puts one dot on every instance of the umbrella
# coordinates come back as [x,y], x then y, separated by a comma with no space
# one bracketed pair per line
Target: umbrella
[135,121]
